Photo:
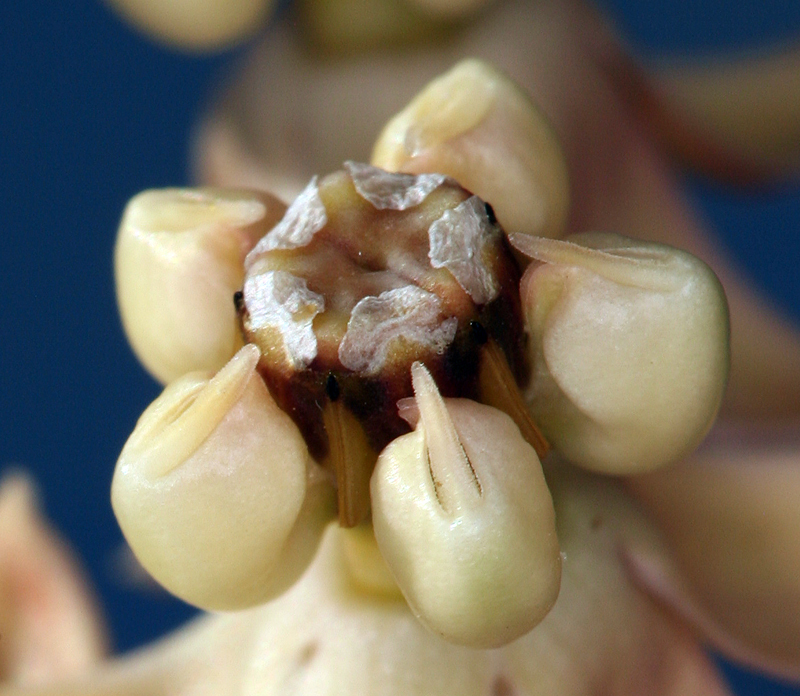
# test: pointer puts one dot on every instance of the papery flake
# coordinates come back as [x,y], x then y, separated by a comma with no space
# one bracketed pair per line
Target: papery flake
[303,219]
[389,190]
[375,323]
[282,301]
[457,242]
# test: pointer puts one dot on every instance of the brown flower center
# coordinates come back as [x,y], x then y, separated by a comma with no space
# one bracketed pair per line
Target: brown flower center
[367,273]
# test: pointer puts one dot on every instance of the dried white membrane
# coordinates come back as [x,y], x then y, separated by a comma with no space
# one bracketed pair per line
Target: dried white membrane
[303,219]
[389,190]
[375,323]
[282,301]
[457,240]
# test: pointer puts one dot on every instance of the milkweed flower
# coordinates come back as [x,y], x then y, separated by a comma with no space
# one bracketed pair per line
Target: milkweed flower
[436,442]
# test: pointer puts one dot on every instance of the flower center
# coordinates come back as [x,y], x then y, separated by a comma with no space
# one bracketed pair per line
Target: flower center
[368,272]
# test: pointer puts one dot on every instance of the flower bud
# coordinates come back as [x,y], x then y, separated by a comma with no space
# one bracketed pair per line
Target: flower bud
[196,24]
[354,27]
[215,491]
[629,346]
[178,261]
[476,125]
[465,521]
[49,619]
[738,117]
[450,9]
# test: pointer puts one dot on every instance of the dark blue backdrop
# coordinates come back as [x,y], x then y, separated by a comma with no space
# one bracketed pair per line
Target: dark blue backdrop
[91,113]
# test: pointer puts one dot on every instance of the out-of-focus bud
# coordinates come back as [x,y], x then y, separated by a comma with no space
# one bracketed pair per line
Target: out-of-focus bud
[50,625]
[479,127]
[731,565]
[465,521]
[630,350]
[737,118]
[355,26]
[196,24]
[215,491]
[179,259]
[450,9]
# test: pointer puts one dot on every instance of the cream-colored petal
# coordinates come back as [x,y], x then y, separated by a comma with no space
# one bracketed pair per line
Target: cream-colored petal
[50,626]
[474,124]
[196,24]
[629,347]
[625,184]
[731,520]
[178,261]
[623,181]
[215,491]
[464,519]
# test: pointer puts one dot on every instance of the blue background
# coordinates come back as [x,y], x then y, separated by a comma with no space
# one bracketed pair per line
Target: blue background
[91,113]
